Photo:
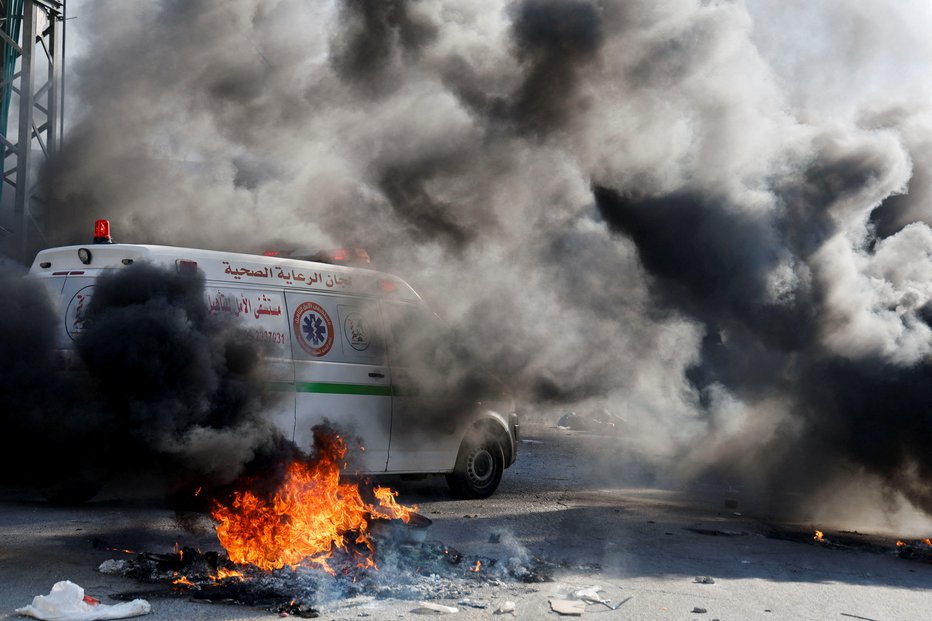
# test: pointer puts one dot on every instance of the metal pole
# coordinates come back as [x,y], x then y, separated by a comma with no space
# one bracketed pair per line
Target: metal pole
[56,89]
[24,136]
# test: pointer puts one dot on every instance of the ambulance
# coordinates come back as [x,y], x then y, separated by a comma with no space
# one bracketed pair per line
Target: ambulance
[350,345]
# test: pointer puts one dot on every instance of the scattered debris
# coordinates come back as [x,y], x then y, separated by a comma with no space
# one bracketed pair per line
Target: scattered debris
[295,608]
[591,595]
[838,541]
[704,580]
[67,602]
[405,570]
[113,567]
[920,550]
[429,608]
[568,607]
[583,597]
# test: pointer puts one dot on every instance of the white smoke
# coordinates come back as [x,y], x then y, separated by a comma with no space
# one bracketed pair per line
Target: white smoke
[461,142]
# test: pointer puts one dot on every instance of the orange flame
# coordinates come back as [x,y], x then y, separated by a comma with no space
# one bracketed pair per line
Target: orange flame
[901,544]
[391,510]
[818,536]
[223,574]
[475,568]
[183,581]
[310,515]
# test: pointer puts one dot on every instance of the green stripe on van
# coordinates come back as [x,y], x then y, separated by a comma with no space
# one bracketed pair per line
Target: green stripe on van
[335,389]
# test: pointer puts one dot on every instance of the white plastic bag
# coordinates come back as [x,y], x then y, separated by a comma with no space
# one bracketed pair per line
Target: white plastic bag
[66,602]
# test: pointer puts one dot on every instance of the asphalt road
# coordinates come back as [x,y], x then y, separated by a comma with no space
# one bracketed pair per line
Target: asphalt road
[593,521]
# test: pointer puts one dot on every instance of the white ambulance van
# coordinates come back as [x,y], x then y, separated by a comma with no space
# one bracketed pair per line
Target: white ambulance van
[345,344]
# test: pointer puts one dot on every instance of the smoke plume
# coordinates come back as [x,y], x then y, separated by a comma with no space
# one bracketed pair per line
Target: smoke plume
[710,218]
[157,388]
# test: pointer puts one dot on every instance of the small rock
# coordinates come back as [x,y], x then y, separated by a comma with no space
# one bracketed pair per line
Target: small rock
[506,608]
[704,580]
[113,567]
[699,611]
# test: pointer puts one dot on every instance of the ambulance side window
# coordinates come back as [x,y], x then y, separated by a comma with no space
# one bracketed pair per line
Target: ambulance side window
[361,337]
[417,337]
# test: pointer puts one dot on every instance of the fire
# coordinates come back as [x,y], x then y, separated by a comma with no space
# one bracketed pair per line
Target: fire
[310,515]
[475,568]
[393,510]
[901,544]
[223,574]
[819,536]
[183,581]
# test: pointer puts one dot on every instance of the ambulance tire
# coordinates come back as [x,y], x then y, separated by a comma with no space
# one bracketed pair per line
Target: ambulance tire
[479,468]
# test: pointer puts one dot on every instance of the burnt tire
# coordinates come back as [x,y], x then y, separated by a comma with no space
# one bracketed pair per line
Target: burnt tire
[479,468]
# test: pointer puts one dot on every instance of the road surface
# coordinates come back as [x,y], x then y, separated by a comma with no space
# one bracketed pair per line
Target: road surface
[592,520]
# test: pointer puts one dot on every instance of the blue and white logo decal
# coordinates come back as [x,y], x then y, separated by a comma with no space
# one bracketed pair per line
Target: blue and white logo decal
[313,329]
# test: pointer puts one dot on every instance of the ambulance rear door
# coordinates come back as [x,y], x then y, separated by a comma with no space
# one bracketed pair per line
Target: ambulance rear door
[341,374]
[76,293]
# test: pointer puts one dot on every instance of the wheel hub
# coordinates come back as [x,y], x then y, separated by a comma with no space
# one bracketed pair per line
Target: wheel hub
[481,466]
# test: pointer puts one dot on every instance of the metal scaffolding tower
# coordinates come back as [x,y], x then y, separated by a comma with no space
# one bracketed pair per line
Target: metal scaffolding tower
[31,118]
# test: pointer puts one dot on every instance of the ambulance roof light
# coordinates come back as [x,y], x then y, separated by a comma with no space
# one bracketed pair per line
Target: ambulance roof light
[346,256]
[102,232]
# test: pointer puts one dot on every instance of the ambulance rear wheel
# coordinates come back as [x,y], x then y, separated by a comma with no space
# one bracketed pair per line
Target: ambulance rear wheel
[479,468]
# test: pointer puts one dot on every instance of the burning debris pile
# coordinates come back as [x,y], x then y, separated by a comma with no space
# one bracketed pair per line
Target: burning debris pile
[853,541]
[310,514]
[919,550]
[400,569]
[314,539]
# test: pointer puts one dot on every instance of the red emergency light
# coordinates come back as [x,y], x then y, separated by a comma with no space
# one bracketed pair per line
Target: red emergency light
[102,232]
[345,256]
[186,266]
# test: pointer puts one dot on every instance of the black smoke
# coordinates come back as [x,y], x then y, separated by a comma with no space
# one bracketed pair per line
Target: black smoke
[555,40]
[711,261]
[43,414]
[373,37]
[156,388]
